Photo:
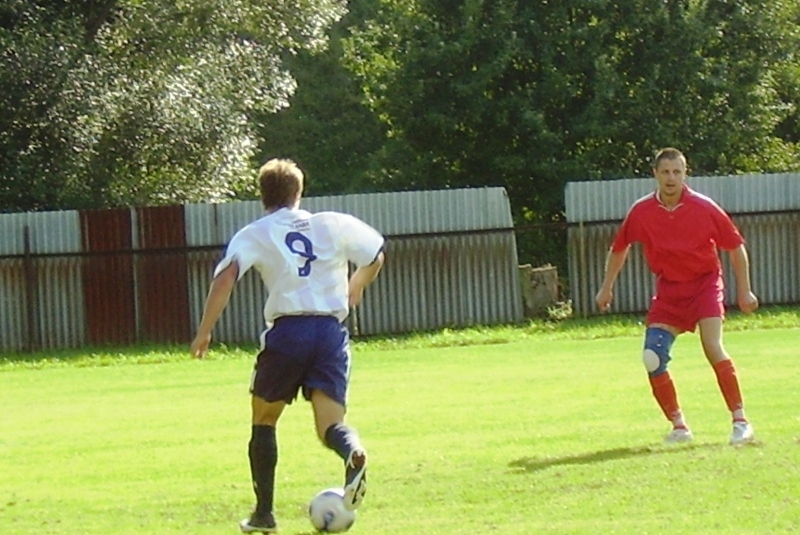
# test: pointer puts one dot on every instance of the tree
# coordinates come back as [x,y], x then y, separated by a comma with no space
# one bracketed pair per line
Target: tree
[532,94]
[704,76]
[117,102]
[326,128]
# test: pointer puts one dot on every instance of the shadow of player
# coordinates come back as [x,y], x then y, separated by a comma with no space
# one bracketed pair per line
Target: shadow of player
[535,464]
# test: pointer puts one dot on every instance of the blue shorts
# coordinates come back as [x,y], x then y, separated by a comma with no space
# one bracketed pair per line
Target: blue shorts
[308,352]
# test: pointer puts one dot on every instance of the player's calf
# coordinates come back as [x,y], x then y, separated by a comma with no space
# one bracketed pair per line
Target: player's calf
[655,357]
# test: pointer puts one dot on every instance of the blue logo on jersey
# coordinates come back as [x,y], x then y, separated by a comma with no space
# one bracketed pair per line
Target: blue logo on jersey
[307,252]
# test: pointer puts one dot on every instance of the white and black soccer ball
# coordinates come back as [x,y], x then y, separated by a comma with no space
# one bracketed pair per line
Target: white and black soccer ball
[327,512]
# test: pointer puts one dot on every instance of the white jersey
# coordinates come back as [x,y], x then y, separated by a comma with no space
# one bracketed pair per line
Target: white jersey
[303,259]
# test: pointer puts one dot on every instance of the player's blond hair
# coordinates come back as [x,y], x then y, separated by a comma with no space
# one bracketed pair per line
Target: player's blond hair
[281,183]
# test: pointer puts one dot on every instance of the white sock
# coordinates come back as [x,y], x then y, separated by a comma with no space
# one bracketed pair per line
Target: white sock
[678,420]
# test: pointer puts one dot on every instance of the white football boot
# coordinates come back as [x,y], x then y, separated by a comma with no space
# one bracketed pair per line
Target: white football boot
[355,476]
[679,435]
[742,433]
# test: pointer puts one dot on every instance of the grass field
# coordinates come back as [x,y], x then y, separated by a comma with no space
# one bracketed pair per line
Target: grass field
[511,430]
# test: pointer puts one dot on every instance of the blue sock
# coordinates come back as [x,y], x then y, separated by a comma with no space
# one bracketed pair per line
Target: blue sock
[342,439]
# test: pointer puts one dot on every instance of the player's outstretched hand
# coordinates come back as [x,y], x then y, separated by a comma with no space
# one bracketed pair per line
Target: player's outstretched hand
[199,346]
[603,299]
[748,302]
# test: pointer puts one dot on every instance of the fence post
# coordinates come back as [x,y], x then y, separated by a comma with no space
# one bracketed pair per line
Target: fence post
[30,290]
[583,270]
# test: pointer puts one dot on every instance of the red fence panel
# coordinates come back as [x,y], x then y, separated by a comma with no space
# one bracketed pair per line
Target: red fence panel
[162,278]
[108,283]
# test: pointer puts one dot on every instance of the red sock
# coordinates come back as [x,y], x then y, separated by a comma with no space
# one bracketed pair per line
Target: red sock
[728,384]
[664,392]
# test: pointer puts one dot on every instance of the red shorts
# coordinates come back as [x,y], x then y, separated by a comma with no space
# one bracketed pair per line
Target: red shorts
[683,304]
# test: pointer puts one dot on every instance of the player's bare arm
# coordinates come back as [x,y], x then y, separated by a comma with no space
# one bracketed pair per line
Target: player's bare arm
[614,262]
[740,262]
[361,278]
[218,295]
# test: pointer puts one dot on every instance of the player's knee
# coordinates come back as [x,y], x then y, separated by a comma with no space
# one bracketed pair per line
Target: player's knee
[650,360]
[655,356]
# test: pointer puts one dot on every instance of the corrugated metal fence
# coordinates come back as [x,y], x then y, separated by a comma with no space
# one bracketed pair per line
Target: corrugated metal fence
[765,207]
[69,279]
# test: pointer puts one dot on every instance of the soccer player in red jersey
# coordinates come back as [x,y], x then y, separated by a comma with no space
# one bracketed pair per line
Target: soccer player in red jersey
[681,231]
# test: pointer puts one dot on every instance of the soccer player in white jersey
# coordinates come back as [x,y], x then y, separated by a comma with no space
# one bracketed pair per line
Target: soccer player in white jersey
[303,261]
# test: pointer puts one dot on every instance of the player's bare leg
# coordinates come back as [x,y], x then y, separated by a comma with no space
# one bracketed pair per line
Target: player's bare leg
[728,381]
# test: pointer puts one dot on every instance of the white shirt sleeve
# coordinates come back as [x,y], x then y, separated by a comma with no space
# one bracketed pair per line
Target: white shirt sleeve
[362,242]
[242,249]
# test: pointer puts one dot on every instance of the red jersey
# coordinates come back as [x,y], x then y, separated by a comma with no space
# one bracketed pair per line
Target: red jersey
[680,244]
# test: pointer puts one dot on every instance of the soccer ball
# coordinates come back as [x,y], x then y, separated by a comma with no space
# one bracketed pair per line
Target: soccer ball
[327,512]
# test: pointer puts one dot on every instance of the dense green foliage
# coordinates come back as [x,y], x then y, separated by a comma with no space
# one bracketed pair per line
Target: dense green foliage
[530,95]
[116,102]
[327,127]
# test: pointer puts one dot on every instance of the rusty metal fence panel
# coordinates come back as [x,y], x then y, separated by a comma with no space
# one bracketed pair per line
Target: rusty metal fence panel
[161,275]
[773,245]
[451,261]
[109,276]
[41,290]
[103,276]
[765,207]
[208,228]
[15,323]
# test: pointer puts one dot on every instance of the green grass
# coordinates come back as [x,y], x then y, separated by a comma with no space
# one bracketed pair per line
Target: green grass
[542,428]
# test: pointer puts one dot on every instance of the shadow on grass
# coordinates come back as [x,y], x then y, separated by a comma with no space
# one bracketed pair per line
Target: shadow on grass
[535,464]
